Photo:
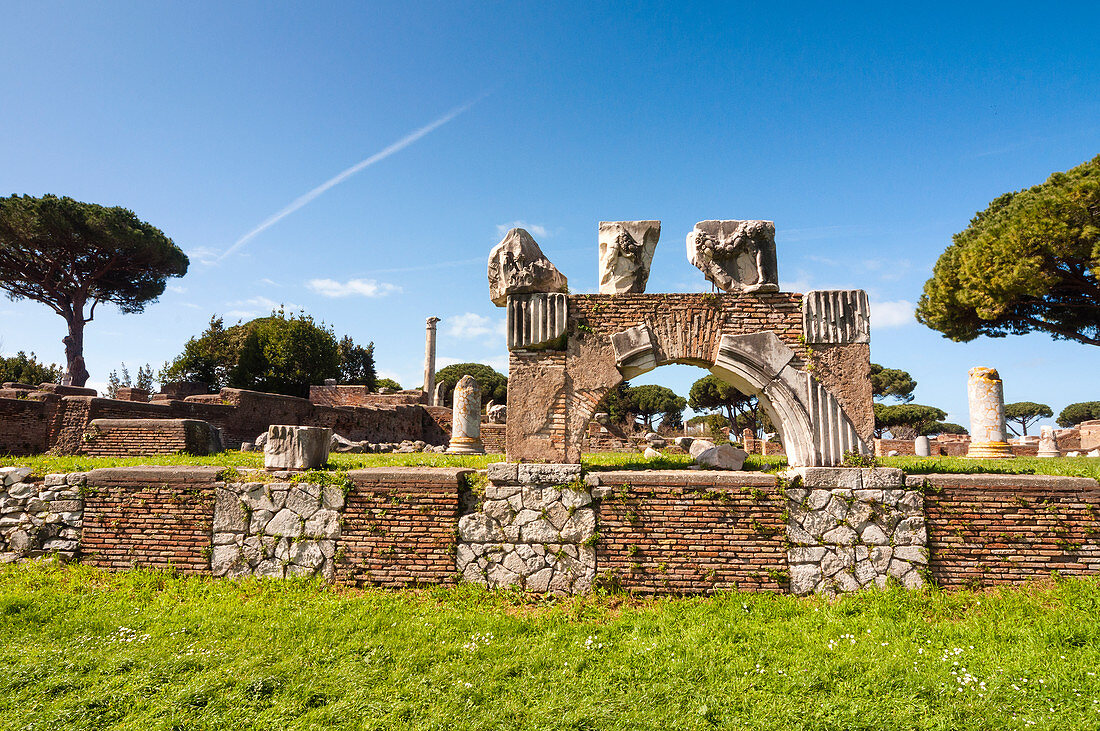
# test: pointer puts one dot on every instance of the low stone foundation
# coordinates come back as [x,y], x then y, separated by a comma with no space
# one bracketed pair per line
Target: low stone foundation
[851,528]
[39,518]
[541,527]
[535,529]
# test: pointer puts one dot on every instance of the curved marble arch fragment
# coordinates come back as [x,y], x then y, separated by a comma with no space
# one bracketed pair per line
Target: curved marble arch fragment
[635,351]
[814,428]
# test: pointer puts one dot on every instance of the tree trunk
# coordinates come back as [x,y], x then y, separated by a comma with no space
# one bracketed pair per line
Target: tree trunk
[76,374]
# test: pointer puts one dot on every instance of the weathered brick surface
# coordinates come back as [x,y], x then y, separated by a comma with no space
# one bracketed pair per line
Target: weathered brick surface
[136,437]
[1006,529]
[150,517]
[400,527]
[24,426]
[492,436]
[553,395]
[241,415]
[362,396]
[690,532]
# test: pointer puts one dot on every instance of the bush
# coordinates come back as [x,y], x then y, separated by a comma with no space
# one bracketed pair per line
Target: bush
[278,354]
[23,368]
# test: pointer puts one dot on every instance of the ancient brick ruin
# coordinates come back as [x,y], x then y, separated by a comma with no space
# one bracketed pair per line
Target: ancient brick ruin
[547,528]
[807,357]
[59,419]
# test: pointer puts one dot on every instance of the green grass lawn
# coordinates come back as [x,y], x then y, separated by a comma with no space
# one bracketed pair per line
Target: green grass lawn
[1067,466]
[598,461]
[84,649]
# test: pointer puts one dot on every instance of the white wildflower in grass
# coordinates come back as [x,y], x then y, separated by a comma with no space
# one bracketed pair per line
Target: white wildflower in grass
[592,643]
[477,640]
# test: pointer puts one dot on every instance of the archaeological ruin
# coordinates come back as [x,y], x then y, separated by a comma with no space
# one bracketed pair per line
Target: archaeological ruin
[538,521]
[807,357]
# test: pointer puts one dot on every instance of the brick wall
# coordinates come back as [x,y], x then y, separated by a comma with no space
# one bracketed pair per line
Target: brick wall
[952,447]
[363,396]
[685,532]
[492,436]
[241,415]
[1007,529]
[24,426]
[400,527]
[150,517]
[140,437]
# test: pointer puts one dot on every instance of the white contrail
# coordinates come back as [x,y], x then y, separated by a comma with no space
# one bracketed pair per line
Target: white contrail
[300,201]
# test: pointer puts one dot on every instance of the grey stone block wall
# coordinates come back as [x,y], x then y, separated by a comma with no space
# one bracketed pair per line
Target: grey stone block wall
[535,529]
[39,519]
[276,529]
[851,528]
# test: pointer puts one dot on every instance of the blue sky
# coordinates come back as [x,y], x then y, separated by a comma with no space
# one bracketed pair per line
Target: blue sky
[868,133]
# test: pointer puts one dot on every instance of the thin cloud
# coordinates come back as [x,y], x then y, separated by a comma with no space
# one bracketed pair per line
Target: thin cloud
[203,254]
[254,307]
[473,325]
[532,228]
[892,314]
[303,200]
[426,267]
[359,287]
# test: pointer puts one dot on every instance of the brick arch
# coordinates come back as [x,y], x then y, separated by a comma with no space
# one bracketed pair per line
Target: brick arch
[757,365]
[755,342]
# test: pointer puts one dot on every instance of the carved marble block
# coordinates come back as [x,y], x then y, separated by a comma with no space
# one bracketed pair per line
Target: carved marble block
[537,321]
[1048,443]
[737,256]
[626,253]
[838,317]
[635,351]
[296,447]
[517,266]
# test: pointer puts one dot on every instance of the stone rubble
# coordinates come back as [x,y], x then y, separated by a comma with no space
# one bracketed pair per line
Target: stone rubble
[347,446]
[40,519]
[852,528]
[276,529]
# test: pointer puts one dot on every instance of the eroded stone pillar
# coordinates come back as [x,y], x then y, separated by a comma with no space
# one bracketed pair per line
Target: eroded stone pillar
[985,392]
[466,418]
[1048,443]
[429,360]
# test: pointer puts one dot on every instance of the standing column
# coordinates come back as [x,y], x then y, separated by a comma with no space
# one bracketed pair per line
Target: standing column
[429,360]
[466,418]
[985,393]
